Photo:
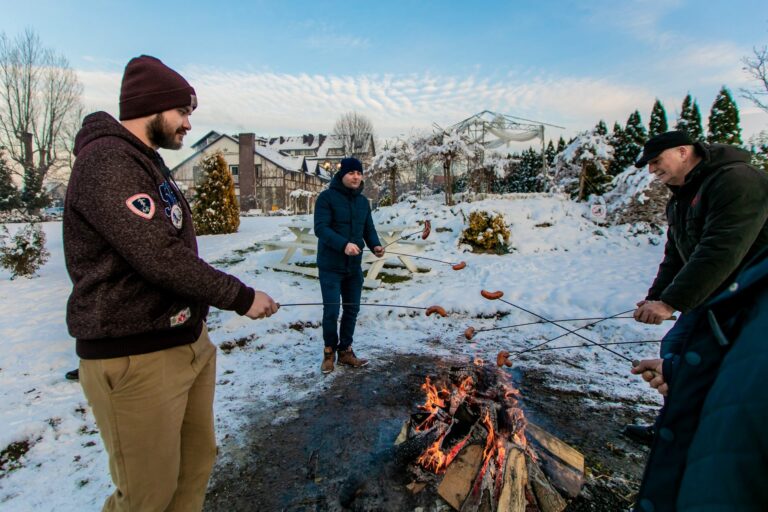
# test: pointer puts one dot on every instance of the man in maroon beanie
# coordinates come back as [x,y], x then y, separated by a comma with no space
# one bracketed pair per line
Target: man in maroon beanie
[141,294]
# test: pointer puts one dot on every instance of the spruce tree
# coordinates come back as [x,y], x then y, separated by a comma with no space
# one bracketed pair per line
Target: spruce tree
[550,153]
[560,144]
[9,194]
[618,141]
[33,196]
[601,128]
[658,123]
[690,119]
[724,120]
[635,137]
[215,210]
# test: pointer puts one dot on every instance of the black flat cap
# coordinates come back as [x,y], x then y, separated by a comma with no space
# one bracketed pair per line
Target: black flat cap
[661,142]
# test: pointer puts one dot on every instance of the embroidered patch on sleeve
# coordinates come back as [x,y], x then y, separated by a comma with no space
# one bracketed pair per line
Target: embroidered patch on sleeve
[142,205]
[180,317]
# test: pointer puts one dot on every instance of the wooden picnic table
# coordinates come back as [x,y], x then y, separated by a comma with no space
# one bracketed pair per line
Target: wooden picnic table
[306,241]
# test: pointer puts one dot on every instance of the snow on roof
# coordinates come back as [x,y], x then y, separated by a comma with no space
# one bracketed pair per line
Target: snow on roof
[289,163]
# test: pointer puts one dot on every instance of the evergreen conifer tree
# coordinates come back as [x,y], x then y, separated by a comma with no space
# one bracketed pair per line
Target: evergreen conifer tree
[550,153]
[618,140]
[690,119]
[724,120]
[658,123]
[601,128]
[215,210]
[33,196]
[9,194]
[526,176]
[635,137]
[560,144]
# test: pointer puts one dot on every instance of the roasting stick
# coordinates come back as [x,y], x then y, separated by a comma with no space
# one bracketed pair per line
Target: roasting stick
[428,310]
[455,266]
[498,296]
[424,233]
[471,332]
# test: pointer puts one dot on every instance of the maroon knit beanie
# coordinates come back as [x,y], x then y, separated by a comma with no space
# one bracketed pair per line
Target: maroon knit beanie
[150,87]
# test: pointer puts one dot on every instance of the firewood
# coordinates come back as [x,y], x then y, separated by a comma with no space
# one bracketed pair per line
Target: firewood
[563,465]
[403,435]
[416,487]
[460,475]
[512,497]
[549,500]
[556,447]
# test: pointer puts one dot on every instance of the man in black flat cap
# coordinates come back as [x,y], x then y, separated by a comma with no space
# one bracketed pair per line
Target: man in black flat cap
[717,223]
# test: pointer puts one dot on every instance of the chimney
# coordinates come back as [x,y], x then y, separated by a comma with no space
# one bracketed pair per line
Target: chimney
[247,169]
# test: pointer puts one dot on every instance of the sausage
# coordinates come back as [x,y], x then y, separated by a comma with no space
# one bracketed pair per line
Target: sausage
[502,359]
[469,333]
[427,229]
[491,295]
[436,309]
[460,265]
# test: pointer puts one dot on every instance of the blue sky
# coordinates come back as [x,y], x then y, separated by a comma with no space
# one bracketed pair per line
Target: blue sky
[289,67]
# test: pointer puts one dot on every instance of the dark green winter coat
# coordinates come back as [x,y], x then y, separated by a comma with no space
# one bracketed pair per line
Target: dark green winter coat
[711,450]
[717,221]
[342,215]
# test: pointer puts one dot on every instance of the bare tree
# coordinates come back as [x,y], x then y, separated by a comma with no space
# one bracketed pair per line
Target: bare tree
[757,67]
[354,130]
[39,99]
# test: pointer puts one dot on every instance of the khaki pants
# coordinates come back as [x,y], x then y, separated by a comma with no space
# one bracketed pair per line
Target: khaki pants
[155,414]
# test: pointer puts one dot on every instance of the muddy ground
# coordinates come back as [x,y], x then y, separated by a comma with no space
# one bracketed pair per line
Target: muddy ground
[333,451]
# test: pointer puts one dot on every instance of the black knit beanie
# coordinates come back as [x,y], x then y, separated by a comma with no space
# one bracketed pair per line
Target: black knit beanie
[349,165]
[150,87]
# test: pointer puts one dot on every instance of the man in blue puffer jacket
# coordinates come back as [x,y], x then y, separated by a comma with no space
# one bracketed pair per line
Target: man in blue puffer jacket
[711,451]
[343,223]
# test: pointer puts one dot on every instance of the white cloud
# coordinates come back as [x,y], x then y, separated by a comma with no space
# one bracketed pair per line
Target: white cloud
[270,104]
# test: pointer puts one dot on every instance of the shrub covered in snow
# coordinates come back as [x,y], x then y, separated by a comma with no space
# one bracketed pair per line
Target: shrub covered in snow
[487,232]
[25,252]
[582,167]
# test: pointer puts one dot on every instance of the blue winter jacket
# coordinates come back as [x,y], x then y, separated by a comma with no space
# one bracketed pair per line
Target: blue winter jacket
[711,450]
[342,215]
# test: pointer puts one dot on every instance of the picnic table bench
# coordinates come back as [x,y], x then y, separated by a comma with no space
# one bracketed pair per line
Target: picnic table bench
[306,241]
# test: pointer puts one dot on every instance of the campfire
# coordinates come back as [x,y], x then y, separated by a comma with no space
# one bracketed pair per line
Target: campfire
[471,443]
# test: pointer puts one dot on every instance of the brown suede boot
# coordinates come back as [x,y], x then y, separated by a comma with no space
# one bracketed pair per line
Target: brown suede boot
[348,358]
[328,356]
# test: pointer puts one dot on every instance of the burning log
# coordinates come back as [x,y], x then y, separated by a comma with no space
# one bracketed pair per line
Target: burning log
[479,457]
[457,481]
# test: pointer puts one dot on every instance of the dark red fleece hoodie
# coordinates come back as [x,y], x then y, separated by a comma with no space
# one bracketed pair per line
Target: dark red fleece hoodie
[130,249]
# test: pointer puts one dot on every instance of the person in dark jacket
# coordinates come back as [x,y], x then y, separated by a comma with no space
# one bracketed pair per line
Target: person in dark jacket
[140,296]
[717,221]
[343,223]
[711,451]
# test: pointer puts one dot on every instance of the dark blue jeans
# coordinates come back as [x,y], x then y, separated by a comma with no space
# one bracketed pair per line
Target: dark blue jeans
[347,286]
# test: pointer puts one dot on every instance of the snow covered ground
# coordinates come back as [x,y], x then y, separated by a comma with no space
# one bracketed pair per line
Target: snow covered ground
[562,266]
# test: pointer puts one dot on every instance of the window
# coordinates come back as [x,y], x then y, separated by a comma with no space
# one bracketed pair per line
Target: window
[258,170]
[235,171]
[197,175]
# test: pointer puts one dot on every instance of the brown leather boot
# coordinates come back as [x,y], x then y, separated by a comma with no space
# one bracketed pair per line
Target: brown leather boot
[328,356]
[348,358]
